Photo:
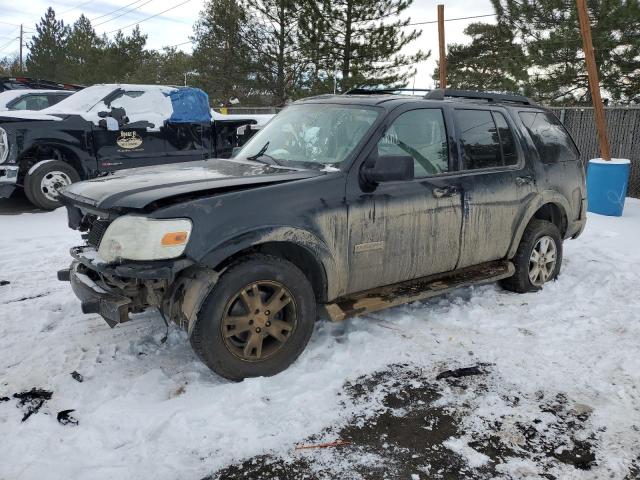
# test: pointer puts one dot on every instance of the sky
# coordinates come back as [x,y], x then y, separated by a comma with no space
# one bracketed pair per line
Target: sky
[176,25]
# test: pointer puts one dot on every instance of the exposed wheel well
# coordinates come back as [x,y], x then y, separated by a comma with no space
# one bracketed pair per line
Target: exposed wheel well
[555,214]
[300,256]
[48,152]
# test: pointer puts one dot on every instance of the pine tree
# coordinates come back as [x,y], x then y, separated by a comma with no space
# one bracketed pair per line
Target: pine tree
[550,34]
[47,57]
[85,51]
[125,58]
[222,58]
[365,46]
[492,61]
[279,64]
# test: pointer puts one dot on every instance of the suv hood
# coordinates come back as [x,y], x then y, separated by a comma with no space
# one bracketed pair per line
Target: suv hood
[136,188]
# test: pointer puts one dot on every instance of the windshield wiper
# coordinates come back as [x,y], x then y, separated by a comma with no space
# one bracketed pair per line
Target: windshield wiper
[261,153]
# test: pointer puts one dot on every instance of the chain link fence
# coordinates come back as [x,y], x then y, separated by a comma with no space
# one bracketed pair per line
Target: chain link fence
[623,125]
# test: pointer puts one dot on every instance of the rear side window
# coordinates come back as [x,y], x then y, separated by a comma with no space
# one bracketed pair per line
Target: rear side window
[549,136]
[485,138]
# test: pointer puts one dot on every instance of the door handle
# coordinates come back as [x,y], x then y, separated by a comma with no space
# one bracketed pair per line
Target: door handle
[526,180]
[448,191]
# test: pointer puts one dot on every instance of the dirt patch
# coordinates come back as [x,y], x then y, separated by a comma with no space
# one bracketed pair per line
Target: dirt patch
[407,430]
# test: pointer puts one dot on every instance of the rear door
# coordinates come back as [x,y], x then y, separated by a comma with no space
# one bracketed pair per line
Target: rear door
[406,229]
[495,179]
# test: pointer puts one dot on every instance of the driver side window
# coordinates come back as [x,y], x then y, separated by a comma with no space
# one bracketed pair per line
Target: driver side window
[420,134]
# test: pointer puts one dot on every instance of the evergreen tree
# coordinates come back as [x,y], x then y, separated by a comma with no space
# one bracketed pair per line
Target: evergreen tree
[222,55]
[550,34]
[85,52]
[279,64]
[47,57]
[492,61]
[365,46]
[125,59]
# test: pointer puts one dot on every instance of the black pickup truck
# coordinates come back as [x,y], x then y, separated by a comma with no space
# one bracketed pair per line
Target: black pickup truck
[105,128]
[354,202]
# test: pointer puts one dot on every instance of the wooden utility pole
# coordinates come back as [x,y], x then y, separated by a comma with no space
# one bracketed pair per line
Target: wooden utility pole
[21,42]
[594,82]
[443,59]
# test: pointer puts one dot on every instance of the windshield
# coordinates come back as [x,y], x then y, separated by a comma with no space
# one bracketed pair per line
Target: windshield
[311,135]
[81,101]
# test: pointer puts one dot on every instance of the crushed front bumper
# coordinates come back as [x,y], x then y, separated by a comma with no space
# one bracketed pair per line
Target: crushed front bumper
[112,304]
[112,307]
[8,180]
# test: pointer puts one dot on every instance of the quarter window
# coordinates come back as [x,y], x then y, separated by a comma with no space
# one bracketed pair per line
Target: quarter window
[420,134]
[486,141]
[549,136]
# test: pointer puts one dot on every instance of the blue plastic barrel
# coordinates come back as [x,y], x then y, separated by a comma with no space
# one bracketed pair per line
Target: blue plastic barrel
[607,185]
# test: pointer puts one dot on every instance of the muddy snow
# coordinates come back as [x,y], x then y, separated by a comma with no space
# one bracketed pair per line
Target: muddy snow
[481,383]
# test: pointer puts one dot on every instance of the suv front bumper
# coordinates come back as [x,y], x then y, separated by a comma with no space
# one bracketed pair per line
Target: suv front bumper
[8,179]
[110,303]
[112,307]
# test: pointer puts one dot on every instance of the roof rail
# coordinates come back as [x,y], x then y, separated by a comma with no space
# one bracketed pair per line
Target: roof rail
[441,94]
[382,91]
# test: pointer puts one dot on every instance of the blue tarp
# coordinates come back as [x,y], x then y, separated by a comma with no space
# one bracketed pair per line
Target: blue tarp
[189,105]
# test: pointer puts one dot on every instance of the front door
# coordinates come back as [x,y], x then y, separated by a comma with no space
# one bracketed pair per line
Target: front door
[406,229]
[128,147]
[495,181]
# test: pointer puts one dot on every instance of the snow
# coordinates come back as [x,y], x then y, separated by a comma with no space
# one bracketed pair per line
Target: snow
[147,406]
[613,161]
[261,118]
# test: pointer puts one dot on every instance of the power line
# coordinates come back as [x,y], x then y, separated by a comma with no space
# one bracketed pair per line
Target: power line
[452,19]
[77,6]
[123,13]
[114,11]
[148,18]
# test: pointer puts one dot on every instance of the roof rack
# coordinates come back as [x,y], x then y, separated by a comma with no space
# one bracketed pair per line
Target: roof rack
[382,91]
[441,94]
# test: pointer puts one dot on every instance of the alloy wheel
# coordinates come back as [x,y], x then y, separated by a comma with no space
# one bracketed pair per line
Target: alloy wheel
[542,261]
[258,320]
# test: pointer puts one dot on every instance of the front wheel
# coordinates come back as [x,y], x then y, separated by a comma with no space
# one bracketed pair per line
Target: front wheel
[538,258]
[257,319]
[43,182]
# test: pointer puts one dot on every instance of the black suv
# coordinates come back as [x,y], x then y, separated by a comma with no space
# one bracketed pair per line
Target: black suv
[354,202]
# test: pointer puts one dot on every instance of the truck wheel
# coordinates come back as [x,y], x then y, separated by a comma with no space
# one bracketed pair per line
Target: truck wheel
[44,181]
[538,258]
[256,320]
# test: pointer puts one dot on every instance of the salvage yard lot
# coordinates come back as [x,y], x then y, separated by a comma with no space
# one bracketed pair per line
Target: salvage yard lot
[556,391]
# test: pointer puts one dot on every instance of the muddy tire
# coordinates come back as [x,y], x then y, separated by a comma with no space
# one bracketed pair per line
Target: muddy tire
[257,319]
[538,258]
[42,185]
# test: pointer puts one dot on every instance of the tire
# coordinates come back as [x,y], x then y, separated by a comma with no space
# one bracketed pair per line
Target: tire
[236,356]
[41,186]
[534,237]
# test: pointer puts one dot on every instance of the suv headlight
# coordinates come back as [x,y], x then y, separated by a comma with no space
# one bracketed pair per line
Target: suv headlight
[4,145]
[141,238]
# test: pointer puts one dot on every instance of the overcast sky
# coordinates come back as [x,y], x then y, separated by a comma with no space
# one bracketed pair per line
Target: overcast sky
[175,26]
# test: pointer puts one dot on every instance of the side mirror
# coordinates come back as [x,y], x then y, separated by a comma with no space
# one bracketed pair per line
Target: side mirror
[103,114]
[389,168]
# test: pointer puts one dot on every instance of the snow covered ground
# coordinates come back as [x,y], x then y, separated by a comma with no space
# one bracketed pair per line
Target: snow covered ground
[561,370]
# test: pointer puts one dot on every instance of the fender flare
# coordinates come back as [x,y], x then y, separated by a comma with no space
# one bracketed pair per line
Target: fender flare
[334,281]
[537,201]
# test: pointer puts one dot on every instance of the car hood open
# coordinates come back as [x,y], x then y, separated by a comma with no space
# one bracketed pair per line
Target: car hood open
[137,188]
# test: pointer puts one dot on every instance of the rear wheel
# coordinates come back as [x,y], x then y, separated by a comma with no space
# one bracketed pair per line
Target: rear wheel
[538,258]
[257,319]
[43,184]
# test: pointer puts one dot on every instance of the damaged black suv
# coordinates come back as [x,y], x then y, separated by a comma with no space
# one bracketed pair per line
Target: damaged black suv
[354,202]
